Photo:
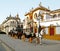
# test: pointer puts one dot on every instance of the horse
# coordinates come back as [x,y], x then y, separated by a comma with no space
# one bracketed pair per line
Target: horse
[29,36]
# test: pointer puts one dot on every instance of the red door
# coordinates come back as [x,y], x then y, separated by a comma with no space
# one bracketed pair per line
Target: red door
[51,30]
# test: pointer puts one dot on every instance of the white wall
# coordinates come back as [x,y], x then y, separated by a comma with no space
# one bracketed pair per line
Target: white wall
[46,30]
[7,29]
[25,22]
[48,23]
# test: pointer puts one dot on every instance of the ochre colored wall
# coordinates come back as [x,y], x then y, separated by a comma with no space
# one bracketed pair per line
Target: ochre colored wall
[55,37]
[52,37]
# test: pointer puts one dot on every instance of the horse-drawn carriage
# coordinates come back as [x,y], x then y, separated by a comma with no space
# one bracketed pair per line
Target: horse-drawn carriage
[21,35]
[15,34]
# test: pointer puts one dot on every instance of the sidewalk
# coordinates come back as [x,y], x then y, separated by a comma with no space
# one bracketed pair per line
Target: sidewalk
[19,45]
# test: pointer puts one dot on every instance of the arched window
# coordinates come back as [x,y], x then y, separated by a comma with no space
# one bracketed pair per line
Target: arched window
[35,15]
[39,14]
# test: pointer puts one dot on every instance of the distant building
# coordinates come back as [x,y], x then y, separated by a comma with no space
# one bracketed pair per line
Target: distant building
[49,20]
[11,23]
[26,27]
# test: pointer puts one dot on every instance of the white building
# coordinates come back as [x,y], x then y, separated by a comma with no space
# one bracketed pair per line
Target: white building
[49,20]
[10,23]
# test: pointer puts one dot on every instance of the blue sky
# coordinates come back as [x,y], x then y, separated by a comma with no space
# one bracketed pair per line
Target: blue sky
[13,7]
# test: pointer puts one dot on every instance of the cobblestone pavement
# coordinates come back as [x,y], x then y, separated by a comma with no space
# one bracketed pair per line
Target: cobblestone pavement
[19,45]
[2,47]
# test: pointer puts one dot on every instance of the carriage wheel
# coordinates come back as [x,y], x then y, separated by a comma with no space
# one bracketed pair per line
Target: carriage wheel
[37,40]
[30,39]
[23,37]
[15,36]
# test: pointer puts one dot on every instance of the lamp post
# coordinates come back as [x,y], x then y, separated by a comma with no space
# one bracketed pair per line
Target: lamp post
[39,28]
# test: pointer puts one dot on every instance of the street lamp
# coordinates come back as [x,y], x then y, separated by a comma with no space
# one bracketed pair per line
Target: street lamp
[39,27]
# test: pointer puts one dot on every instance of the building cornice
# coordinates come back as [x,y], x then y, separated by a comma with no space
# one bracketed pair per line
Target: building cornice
[55,11]
[38,8]
[9,18]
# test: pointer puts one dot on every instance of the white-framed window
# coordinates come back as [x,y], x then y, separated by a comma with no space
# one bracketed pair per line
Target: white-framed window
[48,16]
[57,30]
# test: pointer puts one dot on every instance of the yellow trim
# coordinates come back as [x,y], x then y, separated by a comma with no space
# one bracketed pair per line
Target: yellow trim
[55,37]
[54,30]
[49,30]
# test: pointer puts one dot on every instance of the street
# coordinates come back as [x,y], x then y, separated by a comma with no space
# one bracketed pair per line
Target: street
[2,47]
[19,45]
